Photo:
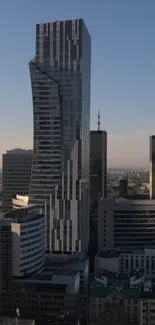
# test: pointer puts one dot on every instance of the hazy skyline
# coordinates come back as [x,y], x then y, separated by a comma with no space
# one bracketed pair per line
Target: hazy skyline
[123,71]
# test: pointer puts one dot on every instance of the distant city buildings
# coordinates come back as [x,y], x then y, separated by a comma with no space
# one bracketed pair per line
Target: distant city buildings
[152,167]
[126,223]
[16,175]
[60,78]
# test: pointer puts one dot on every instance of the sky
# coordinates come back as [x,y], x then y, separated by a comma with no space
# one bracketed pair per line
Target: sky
[122,74]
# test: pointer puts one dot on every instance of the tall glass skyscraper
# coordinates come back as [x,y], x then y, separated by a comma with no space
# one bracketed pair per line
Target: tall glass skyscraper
[60,77]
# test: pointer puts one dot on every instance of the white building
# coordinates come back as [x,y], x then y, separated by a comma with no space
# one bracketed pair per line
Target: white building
[127,261]
[126,224]
[27,227]
[16,175]
[147,311]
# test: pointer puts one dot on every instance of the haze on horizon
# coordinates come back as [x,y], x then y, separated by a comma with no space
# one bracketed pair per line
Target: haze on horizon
[123,71]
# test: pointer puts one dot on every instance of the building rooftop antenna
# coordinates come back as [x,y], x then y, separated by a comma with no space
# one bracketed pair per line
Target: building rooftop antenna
[98,121]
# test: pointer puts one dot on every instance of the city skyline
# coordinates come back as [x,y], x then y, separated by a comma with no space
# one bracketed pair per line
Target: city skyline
[123,72]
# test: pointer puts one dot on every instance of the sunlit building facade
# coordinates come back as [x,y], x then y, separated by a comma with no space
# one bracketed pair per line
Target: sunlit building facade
[60,78]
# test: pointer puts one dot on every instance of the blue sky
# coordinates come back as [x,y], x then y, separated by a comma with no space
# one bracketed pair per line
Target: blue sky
[123,70]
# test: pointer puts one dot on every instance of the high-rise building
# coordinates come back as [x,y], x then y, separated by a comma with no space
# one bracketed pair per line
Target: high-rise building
[26,228]
[16,175]
[126,224]
[123,187]
[152,167]
[98,164]
[60,78]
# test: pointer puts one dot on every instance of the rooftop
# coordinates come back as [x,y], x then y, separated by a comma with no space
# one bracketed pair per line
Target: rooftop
[21,321]
[114,253]
[67,319]
[99,290]
[108,253]
[44,277]
[18,215]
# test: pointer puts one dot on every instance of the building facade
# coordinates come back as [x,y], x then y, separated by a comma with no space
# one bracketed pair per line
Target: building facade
[126,224]
[123,188]
[152,167]
[60,78]
[98,164]
[114,303]
[26,226]
[16,175]
[116,260]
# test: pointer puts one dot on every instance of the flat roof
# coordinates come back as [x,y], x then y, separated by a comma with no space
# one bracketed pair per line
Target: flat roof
[99,290]
[21,321]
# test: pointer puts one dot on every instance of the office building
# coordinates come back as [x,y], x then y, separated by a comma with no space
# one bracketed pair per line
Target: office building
[126,224]
[115,298]
[152,167]
[31,280]
[16,175]
[118,261]
[24,231]
[77,262]
[98,164]
[123,188]
[60,79]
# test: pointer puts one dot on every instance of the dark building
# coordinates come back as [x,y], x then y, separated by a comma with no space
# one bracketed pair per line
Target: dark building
[98,164]
[123,187]
[16,175]
[98,183]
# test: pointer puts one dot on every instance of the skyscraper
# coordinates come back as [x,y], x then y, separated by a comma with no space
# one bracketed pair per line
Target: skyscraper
[60,78]
[98,164]
[152,167]
[16,175]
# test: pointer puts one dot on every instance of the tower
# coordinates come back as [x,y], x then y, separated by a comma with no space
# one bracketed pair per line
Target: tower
[98,162]
[60,79]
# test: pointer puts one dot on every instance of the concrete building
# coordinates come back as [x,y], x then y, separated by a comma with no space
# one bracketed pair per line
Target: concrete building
[77,262]
[27,280]
[98,164]
[16,175]
[26,228]
[147,311]
[116,302]
[60,79]
[126,224]
[152,167]
[116,260]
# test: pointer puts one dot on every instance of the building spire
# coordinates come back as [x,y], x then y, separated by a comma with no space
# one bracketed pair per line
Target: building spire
[98,121]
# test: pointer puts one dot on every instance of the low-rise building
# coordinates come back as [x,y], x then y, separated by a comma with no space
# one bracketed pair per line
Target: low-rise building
[116,260]
[114,303]
[77,262]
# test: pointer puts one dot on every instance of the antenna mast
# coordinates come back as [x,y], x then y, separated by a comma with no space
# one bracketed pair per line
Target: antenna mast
[98,121]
